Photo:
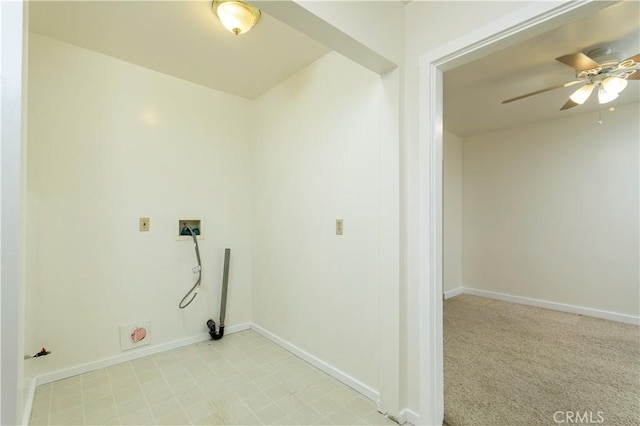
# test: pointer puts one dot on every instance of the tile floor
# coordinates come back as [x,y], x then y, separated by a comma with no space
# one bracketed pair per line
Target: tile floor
[243,379]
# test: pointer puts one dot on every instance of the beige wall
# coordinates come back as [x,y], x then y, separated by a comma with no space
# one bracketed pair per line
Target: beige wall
[452,213]
[551,211]
[110,142]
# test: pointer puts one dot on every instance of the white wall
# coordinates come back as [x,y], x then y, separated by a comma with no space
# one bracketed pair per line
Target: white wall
[376,24]
[315,159]
[110,142]
[551,211]
[372,34]
[452,212]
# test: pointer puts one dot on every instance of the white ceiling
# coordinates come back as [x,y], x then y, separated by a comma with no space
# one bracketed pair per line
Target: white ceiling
[183,39]
[473,93]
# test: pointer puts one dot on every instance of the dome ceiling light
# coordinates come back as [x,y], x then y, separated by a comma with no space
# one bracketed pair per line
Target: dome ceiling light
[236,16]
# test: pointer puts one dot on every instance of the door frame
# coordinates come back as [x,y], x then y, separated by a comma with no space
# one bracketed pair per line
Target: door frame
[12,93]
[528,22]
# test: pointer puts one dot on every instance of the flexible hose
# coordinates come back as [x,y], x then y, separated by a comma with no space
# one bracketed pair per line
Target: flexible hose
[194,290]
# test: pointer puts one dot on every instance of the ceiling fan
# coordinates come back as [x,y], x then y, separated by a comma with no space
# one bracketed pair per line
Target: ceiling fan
[601,68]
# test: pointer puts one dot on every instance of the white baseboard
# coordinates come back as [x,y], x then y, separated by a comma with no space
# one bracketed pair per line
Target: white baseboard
[589,312]
[409,416]
[131,355]
[28,403]
[453,293]
[320,364]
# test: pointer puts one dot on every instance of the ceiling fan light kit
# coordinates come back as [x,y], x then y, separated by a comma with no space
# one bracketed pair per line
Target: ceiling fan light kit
[581,95]
[614,84]
[601,68]
[604,96]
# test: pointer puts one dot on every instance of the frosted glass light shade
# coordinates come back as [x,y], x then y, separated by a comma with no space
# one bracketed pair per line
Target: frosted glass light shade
[581,95]
[605,96]
[614,84]
[236,16]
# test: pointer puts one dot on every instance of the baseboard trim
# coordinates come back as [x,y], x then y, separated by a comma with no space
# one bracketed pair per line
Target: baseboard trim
[453,293]
[28,403]
[572,309]
[131,355]
[320,364]
[407,415]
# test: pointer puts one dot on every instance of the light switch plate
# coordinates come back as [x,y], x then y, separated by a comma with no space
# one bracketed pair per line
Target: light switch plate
[339,227]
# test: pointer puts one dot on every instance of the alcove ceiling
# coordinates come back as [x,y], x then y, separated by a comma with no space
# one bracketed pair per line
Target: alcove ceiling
[473,93]
[183,39]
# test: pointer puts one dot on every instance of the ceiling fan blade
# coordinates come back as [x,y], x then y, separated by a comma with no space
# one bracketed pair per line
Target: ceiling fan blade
[568,104]
[578,61]
[634,76]
[629,63]
[557,86]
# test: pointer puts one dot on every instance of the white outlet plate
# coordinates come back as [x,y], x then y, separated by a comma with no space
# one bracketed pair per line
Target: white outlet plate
[125,335]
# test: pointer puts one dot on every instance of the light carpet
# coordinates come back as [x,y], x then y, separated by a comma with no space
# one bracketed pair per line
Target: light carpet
[510,364]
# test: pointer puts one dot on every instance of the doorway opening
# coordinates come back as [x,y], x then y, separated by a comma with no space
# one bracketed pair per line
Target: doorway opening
[514,28]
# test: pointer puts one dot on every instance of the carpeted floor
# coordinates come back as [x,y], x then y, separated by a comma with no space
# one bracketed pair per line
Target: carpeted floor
[510,364]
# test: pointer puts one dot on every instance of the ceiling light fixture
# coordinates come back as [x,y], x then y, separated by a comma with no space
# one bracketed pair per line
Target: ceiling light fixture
[609,88]
[604,96]
[614,84]
[581,95]
[600,68]
[236,16]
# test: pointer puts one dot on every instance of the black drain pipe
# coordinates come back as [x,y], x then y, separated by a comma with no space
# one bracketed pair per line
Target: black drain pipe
[217,335]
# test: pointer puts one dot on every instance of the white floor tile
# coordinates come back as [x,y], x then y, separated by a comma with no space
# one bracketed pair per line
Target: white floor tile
[242,379]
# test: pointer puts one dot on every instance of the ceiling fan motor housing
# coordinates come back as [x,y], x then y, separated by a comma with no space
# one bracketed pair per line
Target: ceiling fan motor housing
[606,56]
[606,59]
[610,64]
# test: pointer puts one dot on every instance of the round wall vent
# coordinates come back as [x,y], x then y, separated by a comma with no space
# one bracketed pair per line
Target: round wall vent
[138,334]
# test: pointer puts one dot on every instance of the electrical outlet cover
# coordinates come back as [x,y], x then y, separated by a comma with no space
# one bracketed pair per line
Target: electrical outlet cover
[135,334]
[144,224]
